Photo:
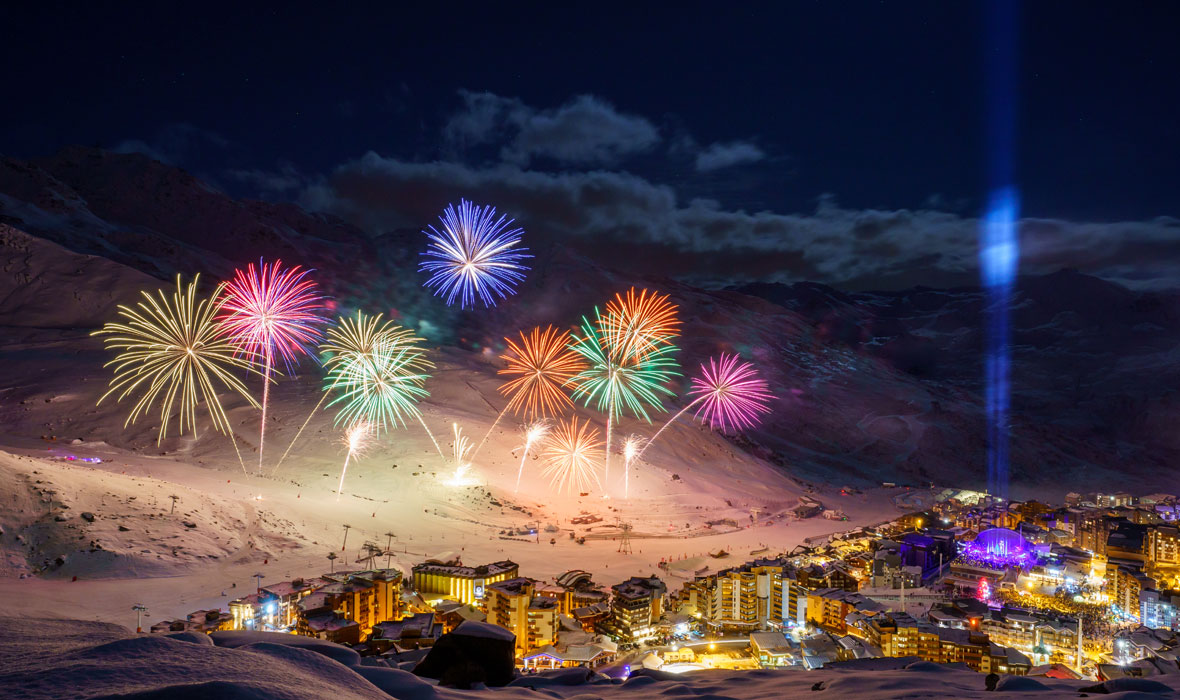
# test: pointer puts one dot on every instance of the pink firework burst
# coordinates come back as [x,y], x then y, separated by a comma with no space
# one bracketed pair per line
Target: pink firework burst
[731,394]
[273,311]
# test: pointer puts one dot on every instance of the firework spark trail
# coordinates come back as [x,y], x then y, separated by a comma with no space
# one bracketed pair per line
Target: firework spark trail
[665,425]
[731,396]
[571,457]
[356,439]
[299,432]
[381,388]
[430,435]
[532,434]
[171,348]
[541,365]
[632,448]
[265,400]
[459,451]
[270,310]
[475,254]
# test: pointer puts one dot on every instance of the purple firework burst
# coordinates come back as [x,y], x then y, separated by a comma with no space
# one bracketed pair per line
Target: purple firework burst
[731,394]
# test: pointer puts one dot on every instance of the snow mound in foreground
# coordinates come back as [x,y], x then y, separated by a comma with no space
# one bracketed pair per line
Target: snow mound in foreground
[76,659]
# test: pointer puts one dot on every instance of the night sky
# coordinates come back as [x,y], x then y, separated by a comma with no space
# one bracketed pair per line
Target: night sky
[841,142]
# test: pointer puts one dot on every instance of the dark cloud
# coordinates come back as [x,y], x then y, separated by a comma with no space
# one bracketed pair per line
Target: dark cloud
[627,222]
[174,144]
[725,155]
[584,131]
[286,179]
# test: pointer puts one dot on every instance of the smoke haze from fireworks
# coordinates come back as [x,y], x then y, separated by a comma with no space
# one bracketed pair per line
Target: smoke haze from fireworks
[474,255]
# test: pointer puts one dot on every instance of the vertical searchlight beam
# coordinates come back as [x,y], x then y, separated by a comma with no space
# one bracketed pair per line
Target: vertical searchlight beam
[999,253]
[999,244]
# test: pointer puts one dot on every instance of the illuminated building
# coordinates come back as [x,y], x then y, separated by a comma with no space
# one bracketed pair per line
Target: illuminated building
[591,654]
[900,634]
[198,621]
[829,607]
[435,580]
[1162,549]
[637,605]
[835,575]
[366,597]
[1092,529]
[511,604]
[1159,609]
[1053,637]
[325,623]
[772,649]
[255,611]
[1124,582]
[1000,548]
[414,631]
[756,595]
[286,596]
[573,590]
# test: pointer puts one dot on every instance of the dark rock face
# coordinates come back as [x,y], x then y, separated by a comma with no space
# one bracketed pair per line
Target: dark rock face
[471,655]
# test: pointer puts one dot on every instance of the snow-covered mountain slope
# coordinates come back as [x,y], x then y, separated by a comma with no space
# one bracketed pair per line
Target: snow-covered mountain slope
[870,387]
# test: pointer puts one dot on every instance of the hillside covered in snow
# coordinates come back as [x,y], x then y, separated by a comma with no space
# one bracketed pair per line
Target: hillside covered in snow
[870,387]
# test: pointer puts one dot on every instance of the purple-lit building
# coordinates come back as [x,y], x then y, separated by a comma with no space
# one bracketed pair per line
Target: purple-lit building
[928,550]
[1001,548]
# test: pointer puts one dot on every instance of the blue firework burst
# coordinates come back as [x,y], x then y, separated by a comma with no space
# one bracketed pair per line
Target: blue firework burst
[474,255]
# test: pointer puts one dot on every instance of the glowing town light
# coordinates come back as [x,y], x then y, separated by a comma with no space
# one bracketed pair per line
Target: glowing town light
[474,255]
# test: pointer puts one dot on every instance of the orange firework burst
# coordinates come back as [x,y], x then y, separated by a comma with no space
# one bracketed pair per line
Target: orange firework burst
[543,364]
[572,456]
[636,324]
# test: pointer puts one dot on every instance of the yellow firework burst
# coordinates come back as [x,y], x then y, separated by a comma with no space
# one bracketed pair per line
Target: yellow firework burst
[572,456]
[171,350]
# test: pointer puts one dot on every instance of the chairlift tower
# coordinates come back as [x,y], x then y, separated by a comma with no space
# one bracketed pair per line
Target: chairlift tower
[625,538]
